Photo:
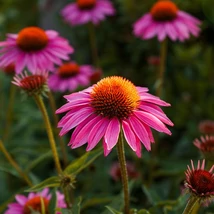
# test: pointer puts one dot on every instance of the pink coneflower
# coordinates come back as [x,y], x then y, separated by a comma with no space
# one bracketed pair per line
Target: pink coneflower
[200,182]
[34,201]
[84,11]
[165,19]
[115,171]
[70,76]
[114,103]
[206,146]
[206,127]
[32,83]
[34,49]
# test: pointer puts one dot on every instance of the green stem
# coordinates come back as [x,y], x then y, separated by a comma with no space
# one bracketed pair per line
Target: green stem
[124,174]
[92,37]
[14,164]
[162,67]
[9,112]
[67,197]
[192,202]
[56,131]
[42,108]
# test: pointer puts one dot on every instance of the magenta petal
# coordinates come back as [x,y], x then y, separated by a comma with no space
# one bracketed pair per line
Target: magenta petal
[129,135]
[156,113]
[82,137]
[105,148]
[97,133]
[152,121]
[140,131]
[76,119]
[21,199]
[112,133]
[138,150]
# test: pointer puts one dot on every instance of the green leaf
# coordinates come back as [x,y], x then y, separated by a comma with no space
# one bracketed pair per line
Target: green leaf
[66,211]
[52,203]
[76,206]
[75,209]
[113,211]
[50,182]
[84,161]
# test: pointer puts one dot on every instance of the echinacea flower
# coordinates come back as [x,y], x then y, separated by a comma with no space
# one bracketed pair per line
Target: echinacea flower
[200,182]
[206,126]
[166,20]
[34,201]
[69,76]
[206,146]
[115,171]
[35,49]
[32,83]
[106,108]
[84,11]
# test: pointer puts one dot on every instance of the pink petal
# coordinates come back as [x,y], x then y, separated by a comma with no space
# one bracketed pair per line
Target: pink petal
[112,133]
[82,137]
[97,132]
[129,135]
[105,148]
[152,121]
[21,199]
[140,131]
[76,119]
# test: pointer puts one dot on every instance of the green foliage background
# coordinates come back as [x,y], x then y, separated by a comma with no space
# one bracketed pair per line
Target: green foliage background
[188,86]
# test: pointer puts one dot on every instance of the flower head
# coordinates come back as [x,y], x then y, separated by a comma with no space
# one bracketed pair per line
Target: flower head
[206,127]
[165,19]
[206,146]
[84,11]
[35,49]
[200,182]
[32,84]
[69,76]
[106,108]
[115,171]
[33,202]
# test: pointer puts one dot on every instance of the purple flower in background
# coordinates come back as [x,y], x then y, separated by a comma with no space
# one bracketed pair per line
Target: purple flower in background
[69,76]
[112,105]
[35,49]
[33,202]
[84,11]
[166,20]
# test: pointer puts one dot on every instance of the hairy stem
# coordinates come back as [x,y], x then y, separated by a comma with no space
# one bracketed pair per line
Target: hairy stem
[43,110]
[123,170]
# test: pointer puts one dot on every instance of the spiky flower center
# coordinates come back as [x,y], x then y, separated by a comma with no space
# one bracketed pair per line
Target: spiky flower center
[202,182]
[33,83]
[86,4]
[36,204]
[208,145]
[164,10]
[32,39]
[68,70]
[114,97]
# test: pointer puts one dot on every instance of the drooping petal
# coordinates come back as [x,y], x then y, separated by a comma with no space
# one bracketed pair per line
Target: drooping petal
[112,133]
[140,131]
[97,132]
[129,135]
